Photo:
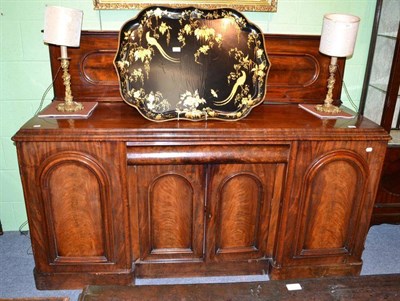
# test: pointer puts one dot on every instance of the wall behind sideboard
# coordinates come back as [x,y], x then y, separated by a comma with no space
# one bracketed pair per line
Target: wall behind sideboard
[25,71]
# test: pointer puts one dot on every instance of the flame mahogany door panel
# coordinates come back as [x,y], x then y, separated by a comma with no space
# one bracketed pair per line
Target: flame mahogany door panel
[333,185]
[75,207]
[243,210]
[171,212]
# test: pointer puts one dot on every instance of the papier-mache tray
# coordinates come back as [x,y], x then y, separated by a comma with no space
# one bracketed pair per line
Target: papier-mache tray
[192,64]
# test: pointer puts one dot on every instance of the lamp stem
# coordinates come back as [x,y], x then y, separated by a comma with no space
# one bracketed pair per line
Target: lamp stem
[69,105]
[328,107]
[64,52]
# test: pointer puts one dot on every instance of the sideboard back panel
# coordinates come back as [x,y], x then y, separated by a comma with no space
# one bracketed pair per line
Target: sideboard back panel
[298,73]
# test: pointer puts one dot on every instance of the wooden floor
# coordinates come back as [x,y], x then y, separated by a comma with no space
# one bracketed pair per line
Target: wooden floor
[380,287]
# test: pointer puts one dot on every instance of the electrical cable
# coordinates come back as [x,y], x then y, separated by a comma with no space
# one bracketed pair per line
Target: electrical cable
[29,251]
[101,21]
[347,92]
[23,232]
[45,93]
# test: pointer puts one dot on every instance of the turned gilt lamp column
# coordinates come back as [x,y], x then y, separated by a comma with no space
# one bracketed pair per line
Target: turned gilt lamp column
[338,38]
[62,27]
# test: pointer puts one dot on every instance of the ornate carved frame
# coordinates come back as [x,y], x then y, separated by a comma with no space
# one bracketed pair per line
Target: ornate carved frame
[243,5]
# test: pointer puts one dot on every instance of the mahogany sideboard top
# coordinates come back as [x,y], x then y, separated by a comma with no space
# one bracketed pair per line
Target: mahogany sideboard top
[115,196]
[271,122]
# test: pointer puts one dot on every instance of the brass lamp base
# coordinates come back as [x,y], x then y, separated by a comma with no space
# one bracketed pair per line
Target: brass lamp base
[69,105]
[328,108]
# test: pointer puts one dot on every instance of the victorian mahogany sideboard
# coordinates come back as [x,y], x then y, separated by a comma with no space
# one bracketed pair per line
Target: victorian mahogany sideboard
[115,196]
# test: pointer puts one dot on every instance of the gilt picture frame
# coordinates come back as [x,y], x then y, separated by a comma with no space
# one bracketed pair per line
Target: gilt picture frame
[243,5]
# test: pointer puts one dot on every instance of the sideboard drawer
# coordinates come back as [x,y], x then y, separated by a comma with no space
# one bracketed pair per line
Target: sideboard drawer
[203,154]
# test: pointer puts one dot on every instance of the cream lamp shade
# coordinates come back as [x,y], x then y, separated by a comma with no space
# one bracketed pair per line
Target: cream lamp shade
[62,26]
[339,33]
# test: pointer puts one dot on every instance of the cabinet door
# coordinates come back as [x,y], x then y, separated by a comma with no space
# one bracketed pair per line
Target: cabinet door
[243,210]
[75,191]
[77,212]
[171,212]
[329,208]
[326,219]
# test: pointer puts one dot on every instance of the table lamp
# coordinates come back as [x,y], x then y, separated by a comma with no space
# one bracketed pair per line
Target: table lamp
[338,37]
[62,27]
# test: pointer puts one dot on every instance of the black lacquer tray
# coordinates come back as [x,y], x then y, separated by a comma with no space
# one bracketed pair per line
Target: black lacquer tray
[191,64]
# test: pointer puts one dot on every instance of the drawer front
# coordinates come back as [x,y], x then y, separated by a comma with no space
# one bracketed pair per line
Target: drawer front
[204,154]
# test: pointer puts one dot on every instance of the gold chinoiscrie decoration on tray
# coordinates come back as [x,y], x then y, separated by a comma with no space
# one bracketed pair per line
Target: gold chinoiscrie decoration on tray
[244,5]
[191,64]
